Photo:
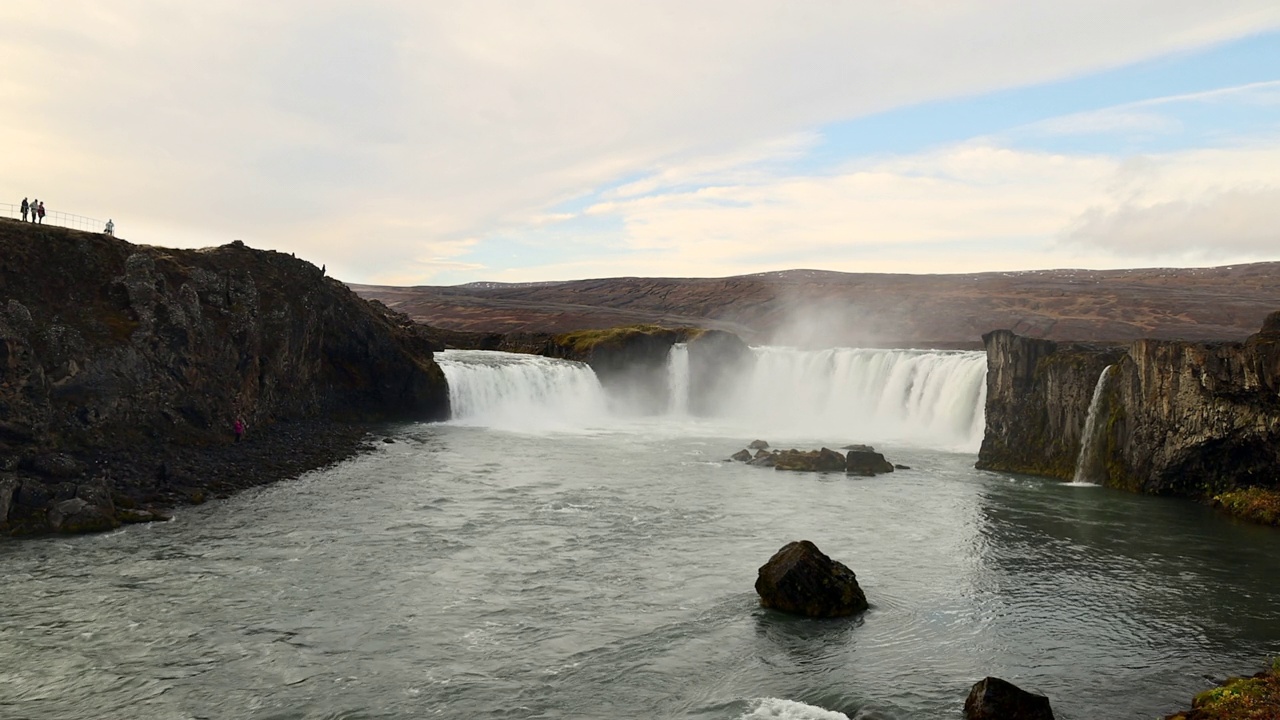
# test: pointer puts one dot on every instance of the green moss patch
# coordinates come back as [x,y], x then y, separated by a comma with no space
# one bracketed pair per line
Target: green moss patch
[1251,698]
[583,341]
[1255,504]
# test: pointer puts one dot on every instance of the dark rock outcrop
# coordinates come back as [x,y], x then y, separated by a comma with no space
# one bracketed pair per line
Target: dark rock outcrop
[801,580]
[1177,418]
[1038,394]
[866,463]
[741,456]
[823,460]
[717,361]
[758,445]
[119,363]
[995,699]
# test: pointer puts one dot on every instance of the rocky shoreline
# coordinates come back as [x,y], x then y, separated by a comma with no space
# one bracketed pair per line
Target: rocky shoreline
[124,367]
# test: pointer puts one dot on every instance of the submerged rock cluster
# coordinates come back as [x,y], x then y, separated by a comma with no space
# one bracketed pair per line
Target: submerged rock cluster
[860,460]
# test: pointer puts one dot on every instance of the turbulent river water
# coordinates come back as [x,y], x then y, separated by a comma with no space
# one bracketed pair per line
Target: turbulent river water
[547,554]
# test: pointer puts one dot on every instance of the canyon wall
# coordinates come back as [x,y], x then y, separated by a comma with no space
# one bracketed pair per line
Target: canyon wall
[1173,418]
[114,356]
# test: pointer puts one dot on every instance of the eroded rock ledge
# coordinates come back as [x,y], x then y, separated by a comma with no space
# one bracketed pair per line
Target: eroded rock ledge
[122,368]
[1173,418]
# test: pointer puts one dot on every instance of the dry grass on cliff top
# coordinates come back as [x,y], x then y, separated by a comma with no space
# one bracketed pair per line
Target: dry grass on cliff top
[584,340]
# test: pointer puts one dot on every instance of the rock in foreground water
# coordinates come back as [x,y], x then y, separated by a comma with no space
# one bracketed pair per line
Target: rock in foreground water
[995,699]
[801,580]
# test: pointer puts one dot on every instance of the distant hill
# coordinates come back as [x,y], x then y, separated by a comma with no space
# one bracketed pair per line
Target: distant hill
[822,308]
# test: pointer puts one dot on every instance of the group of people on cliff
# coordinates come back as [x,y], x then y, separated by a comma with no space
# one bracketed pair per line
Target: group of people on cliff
[35,208]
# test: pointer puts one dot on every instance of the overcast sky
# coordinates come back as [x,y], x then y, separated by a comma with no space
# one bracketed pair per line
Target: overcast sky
[448,142]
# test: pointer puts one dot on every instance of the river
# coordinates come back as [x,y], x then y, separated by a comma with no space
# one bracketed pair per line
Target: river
[550,555]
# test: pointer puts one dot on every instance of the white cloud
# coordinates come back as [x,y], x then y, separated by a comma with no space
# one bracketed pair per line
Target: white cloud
[371,134]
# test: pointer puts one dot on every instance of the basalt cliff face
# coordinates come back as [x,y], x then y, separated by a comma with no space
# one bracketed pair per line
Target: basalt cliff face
[1173,418]
[122,368]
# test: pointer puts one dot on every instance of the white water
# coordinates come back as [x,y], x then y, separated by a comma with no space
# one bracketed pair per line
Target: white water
[918,397]
[510,391]
[1086,459]
[678,378]
[915,397]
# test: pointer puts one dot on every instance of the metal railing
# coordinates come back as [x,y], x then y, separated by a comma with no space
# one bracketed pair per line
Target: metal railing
[55,217]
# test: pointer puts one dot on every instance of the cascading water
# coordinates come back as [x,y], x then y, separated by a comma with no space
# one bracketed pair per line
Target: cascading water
[678,375]
[918,397]
[521,392]
[922,397]
[1087,461]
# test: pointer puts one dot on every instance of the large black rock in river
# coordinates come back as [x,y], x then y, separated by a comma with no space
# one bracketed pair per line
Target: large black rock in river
[801,580]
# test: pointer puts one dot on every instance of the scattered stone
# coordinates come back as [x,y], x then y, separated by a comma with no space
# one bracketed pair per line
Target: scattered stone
[801,580]
[129,515]
[79,516]
[766,460]
[761,454]
[867,464]
[824,460]
[896,466]
[995,699]
[56,465]
[859,448]
[758,445]
[8,488]
[741,456]
[389,441]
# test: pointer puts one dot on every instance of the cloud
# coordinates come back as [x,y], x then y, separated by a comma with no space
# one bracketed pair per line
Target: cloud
[369,135]
[1235,222]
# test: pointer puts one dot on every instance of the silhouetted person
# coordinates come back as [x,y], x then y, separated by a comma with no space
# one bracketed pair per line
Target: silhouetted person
[25,205]
[40,213]
[110,229]
[238,427]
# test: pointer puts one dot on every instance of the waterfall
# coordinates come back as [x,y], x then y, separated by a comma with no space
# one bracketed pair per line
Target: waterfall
[931,398]
[521,392]
[678,374]
[923,397]
[1087,461]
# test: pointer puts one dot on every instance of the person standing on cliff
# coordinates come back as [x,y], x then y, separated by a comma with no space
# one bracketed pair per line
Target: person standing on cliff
[110,229]
[40,212]
[239,427]
[25,205]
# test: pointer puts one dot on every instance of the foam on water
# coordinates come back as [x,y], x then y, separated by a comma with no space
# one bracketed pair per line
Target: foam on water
[778,709]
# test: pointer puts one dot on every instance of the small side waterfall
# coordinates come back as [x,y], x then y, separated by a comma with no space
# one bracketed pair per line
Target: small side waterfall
[1087,462]
[521,392]
[678,373]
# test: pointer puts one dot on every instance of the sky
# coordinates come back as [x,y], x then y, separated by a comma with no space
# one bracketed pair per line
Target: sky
[438,143]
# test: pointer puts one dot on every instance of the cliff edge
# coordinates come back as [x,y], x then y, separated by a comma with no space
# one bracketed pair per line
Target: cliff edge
[1171,418]
[123,368]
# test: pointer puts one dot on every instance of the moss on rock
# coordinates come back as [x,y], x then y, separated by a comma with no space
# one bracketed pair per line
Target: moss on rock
[1249,698]
[1255,504]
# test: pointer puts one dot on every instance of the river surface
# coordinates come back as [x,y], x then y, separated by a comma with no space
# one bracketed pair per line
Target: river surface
[591,564]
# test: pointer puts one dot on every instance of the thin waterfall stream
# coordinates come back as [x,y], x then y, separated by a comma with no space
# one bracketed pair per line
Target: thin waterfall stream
[1087,461]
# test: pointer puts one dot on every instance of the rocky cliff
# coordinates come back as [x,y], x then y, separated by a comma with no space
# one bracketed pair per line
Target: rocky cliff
[1175,418]
[121,366]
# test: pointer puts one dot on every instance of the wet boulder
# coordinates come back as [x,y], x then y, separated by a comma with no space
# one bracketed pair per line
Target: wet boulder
[824,460]
[765,460]
[77,515]
[758,445]
[801,580]
[995,699]
[866,463]
[741,456]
